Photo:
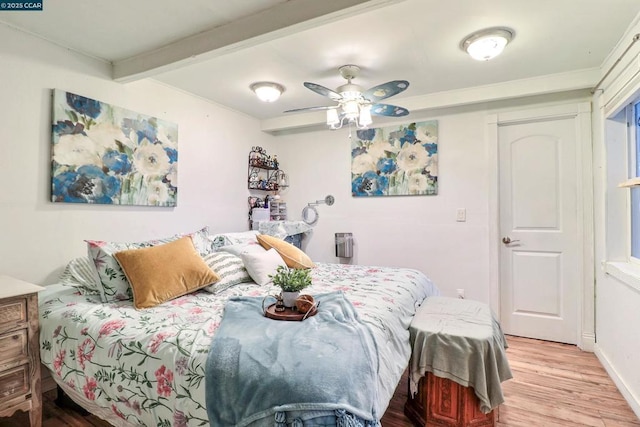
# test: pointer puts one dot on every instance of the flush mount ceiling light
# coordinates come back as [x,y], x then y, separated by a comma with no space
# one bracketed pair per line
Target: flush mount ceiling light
[267,91]
[486,44]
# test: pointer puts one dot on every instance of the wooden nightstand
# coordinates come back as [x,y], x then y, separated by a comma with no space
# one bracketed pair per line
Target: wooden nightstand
[19,349]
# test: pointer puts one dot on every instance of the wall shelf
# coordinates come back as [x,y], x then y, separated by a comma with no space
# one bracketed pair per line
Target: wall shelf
[265,175]
[263,171]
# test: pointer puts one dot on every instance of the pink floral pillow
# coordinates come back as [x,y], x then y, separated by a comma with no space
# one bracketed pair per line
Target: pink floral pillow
[112,282]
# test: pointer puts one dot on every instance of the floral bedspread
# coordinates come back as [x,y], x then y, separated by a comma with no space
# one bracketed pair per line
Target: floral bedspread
[147,366]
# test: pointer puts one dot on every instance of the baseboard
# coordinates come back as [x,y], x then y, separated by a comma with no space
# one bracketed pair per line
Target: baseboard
[587,342]
[633,402]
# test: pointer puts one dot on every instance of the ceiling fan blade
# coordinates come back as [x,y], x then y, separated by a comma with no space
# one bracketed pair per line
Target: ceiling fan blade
[385,90]
[323,91]
[308,109]
[388,110]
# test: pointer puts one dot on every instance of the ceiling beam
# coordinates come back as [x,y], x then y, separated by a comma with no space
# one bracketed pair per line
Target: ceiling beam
[279,21]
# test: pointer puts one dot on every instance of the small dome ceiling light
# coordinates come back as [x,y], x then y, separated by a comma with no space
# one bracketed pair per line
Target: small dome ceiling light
[486,44]
[267,91]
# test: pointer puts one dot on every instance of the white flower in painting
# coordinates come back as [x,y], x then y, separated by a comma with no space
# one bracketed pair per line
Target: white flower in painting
[151,160]
[379,149]
[77,150]
[425,135]
[395,144]
[106,134]
[412,157]
[172,176]
[432,167]
[363,163]
[157,193]
[168,139]
[417,183]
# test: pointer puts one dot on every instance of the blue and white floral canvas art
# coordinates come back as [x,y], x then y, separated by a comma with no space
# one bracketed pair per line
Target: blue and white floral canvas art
[396,160]
[109,155]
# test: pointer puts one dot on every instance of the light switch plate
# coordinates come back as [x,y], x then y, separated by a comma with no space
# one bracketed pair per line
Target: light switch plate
[461,215]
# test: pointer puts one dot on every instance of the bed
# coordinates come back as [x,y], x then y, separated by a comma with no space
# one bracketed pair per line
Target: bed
[147,367]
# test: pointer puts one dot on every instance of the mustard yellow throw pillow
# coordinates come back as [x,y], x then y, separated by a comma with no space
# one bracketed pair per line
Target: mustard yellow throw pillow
[292,256]
[161,273]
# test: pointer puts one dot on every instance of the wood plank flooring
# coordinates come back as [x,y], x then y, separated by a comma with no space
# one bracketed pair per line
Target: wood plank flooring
[553,385]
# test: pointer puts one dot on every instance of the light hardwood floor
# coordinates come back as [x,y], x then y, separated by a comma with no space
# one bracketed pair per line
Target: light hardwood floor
[553,385]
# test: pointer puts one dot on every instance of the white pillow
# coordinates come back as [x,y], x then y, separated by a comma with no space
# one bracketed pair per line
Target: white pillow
[240,248]
[260,265]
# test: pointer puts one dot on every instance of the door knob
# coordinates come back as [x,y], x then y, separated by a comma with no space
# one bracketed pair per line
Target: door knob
[507,240]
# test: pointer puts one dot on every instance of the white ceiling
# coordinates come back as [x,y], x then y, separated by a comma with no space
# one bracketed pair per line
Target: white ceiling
[216,48]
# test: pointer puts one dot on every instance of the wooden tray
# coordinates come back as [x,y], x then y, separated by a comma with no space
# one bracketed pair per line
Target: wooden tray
[288,313]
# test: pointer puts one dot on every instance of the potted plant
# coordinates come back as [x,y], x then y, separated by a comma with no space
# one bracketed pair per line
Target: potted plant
[291,281]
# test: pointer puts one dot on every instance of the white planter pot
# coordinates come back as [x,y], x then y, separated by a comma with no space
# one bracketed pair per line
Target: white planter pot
[289,298]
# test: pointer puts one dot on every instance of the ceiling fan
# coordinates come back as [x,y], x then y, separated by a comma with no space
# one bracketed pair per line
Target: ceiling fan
[356,105]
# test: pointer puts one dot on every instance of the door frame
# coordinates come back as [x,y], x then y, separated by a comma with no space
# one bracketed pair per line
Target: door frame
[581,112]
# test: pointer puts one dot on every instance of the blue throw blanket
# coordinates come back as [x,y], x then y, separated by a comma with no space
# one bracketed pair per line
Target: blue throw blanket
[260,369]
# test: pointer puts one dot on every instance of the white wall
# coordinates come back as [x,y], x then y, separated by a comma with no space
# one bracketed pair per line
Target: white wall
[38,236]
[617,291]
[419,232]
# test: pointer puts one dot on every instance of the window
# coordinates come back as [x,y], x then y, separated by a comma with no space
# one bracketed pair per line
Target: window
[634,171]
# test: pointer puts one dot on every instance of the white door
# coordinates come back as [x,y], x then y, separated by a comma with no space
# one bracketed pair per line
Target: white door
[539,255]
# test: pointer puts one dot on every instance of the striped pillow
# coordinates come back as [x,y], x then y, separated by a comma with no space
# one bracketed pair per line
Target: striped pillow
[230,269]
[80,272]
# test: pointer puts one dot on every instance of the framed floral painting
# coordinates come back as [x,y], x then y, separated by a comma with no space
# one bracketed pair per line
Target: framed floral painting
[395,161]
[109,155]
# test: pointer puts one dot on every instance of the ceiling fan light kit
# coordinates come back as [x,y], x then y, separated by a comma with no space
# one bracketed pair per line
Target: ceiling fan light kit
[267,91]
[486,44]
[356,105]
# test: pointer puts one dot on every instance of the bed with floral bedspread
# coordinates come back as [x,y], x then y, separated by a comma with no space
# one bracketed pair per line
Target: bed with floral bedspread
[147,367]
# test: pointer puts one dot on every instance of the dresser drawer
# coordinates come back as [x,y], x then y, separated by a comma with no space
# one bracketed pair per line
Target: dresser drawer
[14,382]
[13,347]
[13,312]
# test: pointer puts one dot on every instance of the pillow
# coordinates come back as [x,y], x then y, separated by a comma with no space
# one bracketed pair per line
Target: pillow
[79,271]
[200,240]
[229,268]
[292,256]
[217,241]
[161,273]
[237,249]
[111,281]
[261,264]
[241,236]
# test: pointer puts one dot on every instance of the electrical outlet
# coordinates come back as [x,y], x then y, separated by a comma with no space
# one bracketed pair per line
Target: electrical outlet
[460,293]
[461,215]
